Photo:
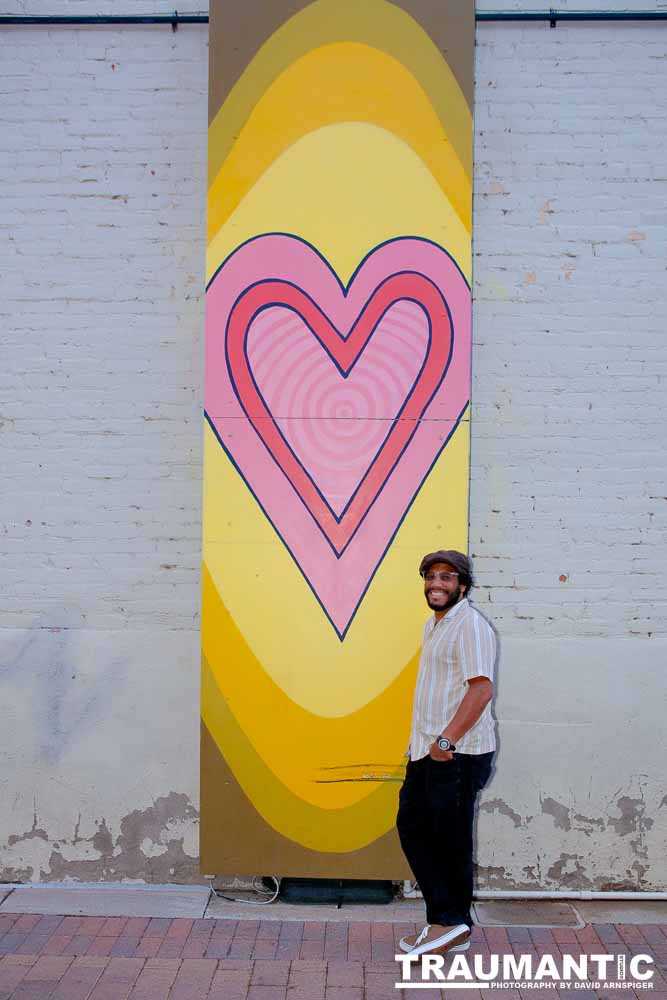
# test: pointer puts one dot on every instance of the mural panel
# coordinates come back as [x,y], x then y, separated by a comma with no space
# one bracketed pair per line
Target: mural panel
[336,434]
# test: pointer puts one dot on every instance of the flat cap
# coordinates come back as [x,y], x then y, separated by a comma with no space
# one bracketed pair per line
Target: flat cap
[458,560]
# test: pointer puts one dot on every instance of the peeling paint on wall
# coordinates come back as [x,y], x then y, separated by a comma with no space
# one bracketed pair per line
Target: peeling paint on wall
[156,844]
[569,872]
[632,818]
[34,831]
[560,813]
[588,821]
[497,805]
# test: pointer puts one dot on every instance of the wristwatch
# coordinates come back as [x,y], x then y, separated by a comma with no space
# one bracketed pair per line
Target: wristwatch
[445,744]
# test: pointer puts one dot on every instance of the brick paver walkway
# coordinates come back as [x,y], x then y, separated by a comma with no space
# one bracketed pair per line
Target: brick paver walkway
[119,958]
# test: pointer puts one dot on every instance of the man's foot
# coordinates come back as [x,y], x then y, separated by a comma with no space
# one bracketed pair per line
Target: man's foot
[437,939]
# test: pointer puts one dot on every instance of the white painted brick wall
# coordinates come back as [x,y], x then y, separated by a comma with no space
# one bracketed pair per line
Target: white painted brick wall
[102,159]
[103,162]
[570,360]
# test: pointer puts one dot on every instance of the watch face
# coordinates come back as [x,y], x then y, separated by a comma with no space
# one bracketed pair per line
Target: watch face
[444,743]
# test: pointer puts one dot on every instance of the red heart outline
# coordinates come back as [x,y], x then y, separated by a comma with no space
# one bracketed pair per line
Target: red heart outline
[344,351]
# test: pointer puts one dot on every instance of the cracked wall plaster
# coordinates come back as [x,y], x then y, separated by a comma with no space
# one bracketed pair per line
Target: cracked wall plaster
[154,844]
[559,812]
[497,805]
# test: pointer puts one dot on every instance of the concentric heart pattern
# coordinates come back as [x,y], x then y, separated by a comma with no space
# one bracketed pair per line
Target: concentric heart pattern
[331,400]
[337,377]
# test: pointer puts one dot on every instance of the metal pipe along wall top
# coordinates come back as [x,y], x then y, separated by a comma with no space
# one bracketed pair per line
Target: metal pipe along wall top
[176,18]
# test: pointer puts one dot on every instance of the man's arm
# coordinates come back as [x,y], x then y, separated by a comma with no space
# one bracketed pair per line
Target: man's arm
[476,698]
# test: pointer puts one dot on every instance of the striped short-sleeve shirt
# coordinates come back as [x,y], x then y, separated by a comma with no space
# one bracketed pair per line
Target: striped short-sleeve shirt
[460,646]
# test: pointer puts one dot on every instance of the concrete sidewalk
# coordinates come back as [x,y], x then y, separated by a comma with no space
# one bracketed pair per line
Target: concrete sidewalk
[267,956]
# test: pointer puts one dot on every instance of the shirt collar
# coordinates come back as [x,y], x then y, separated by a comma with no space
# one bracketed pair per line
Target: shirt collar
[452,611]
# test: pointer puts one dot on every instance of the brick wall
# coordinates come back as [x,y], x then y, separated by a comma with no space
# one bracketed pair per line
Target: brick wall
[102,158]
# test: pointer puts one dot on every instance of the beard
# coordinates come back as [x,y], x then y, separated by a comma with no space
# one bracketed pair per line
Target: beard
[453,599]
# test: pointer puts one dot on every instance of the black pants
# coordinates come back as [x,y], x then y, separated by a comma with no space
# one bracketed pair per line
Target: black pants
[435,815]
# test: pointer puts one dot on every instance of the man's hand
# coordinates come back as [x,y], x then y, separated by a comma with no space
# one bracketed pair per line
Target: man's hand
[435,753]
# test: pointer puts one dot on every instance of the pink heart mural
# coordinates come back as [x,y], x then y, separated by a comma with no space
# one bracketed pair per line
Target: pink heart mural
[333,402]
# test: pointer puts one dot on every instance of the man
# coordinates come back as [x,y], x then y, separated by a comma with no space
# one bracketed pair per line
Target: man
[452,741]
